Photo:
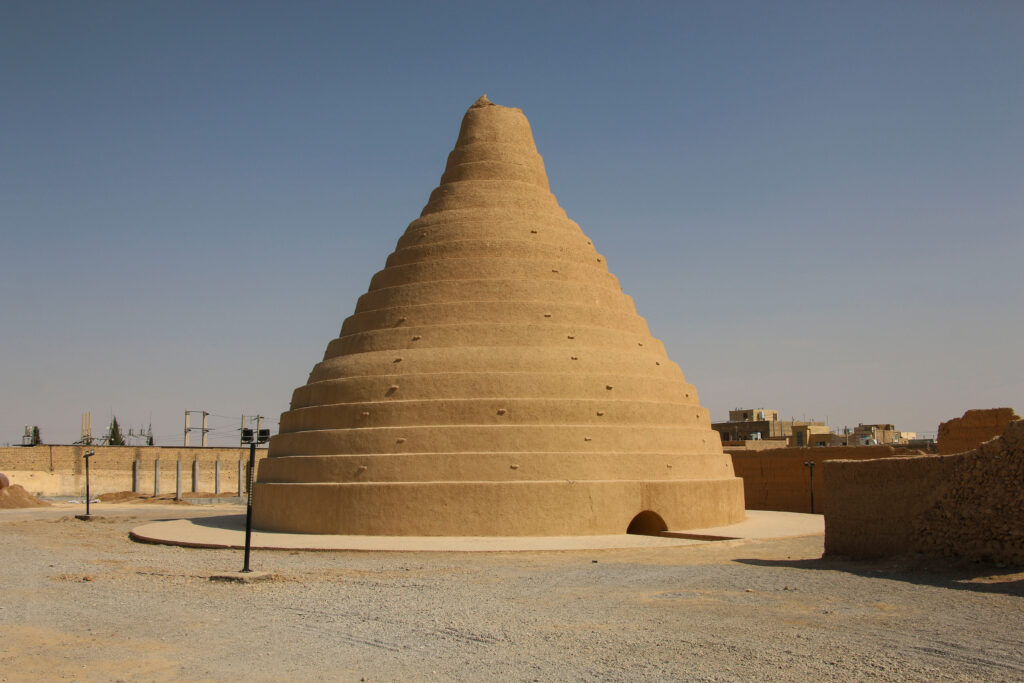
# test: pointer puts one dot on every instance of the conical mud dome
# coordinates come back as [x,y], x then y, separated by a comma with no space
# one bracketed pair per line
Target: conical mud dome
[495,380]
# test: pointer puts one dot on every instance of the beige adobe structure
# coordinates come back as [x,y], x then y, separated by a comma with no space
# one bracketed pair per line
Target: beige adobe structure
[778,479]
[495,381]
[968,505]
[753,415]
[54,470]
[753,424]
[810,434]
[975,427]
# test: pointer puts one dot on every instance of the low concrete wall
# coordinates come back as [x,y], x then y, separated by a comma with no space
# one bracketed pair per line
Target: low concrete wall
[968,505]
[60,470]
[778,480]
[753,445]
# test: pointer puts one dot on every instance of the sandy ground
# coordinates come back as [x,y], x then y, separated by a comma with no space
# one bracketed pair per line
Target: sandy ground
[80,601]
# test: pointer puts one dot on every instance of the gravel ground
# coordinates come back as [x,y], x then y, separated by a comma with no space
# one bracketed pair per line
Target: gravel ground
[80,601]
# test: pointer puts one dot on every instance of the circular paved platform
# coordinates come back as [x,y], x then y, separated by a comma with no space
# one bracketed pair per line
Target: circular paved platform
[228,531]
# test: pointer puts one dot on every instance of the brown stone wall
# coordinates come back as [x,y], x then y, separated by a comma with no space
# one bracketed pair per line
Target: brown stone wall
[778,480]
[968,505]
[974,428]
[60,470]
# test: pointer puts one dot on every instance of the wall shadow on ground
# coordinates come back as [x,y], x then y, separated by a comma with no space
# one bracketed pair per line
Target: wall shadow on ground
[964,575]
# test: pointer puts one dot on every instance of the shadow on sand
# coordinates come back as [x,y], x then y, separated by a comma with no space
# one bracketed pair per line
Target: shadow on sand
[232,522]
[955,574]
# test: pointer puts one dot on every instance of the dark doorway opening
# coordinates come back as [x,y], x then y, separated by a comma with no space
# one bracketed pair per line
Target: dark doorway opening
[647,523]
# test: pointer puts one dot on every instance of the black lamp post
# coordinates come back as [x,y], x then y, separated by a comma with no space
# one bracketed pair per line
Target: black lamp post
[85,456]
[262,436]
[810,464]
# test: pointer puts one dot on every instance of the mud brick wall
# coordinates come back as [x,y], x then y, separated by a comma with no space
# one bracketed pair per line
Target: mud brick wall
[777,479]
[968,505]
[60,470]
[974,428]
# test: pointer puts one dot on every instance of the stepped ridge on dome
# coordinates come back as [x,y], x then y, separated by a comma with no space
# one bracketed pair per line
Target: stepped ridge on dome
[494,380]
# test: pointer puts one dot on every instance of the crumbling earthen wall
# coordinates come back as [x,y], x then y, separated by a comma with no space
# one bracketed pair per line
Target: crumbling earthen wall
[968,505]
[974,428]
[777,479]
[60,470]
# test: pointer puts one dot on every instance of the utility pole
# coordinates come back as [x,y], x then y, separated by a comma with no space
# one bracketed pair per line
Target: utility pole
[240,441]
[87,428]
[203,430]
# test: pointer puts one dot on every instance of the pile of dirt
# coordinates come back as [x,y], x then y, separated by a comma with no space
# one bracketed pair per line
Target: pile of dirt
[120,497]
[164,499]
[16,496]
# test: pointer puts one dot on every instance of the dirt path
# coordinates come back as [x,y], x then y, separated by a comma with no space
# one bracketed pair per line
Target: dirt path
[80,601]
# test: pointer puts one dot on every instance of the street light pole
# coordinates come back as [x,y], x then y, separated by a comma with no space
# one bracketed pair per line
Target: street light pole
[85,456]
[248,505]
[261,436]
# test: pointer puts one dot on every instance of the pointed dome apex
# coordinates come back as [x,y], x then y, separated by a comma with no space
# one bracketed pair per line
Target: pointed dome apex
[495,144]
[488,122]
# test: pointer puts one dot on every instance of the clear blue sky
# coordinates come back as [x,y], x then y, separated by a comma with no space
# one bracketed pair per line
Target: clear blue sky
[818,206]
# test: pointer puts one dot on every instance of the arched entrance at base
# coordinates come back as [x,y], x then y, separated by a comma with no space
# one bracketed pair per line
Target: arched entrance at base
[647,523]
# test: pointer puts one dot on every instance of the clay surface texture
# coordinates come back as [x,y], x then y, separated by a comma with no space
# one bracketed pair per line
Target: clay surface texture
[967,505]
[974,428]
[495,380]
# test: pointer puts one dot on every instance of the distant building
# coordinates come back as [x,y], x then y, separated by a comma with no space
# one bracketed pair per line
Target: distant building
[753,424]
[875,435]
[753,414]
[815,434]
[763,424]
[882,434]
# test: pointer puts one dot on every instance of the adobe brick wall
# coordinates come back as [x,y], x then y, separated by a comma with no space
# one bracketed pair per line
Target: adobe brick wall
[968,505]
[974,428]
[777,479]
[60,470]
